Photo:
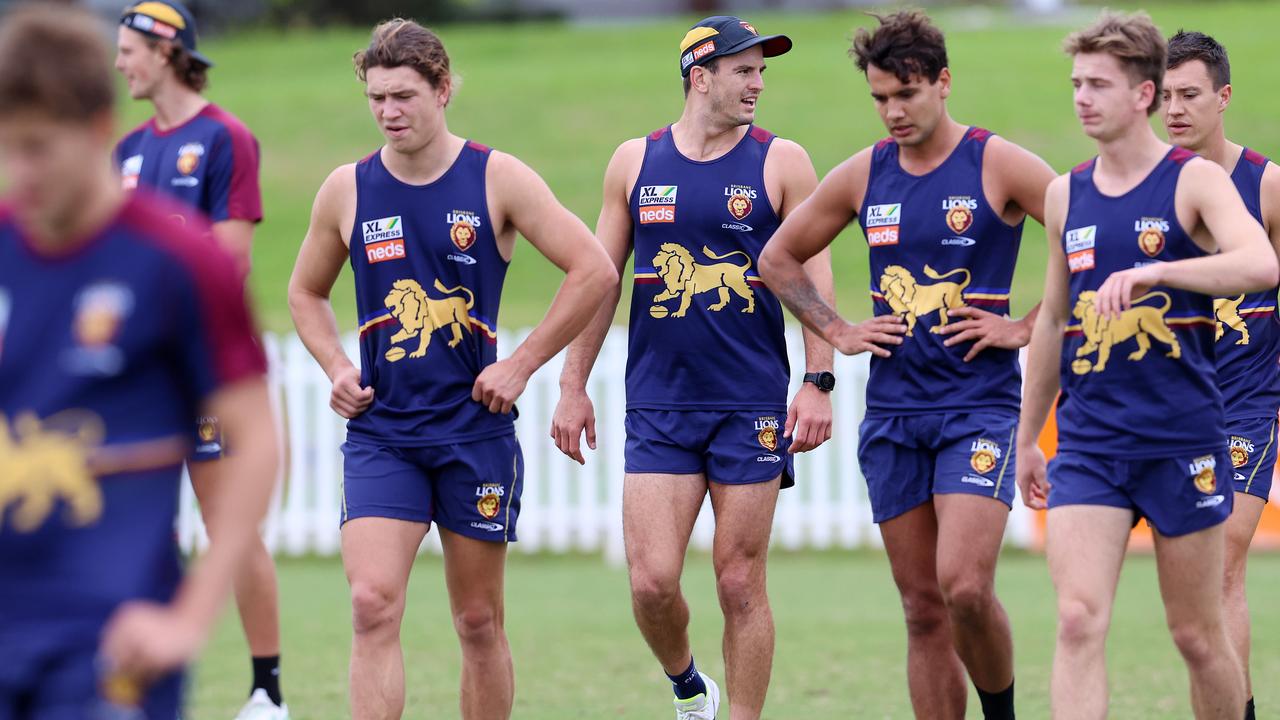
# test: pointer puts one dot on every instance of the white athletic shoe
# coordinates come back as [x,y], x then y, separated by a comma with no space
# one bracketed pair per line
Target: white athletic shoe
[702,706]
[260,707]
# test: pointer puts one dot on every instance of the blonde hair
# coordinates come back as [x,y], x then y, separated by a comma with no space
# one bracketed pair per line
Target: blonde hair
[1132,39]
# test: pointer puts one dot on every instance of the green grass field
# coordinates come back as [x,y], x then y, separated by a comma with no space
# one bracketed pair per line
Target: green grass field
[841,645]
[562,97]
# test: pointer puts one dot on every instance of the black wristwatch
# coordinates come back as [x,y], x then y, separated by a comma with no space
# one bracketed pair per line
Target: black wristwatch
[825,381]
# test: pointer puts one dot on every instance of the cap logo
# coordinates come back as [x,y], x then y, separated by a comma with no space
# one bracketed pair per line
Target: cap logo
[162,12]
[748,27]
[151,26]
[695,35]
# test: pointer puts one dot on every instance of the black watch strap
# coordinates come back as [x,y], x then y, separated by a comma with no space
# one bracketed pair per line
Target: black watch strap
[825,381]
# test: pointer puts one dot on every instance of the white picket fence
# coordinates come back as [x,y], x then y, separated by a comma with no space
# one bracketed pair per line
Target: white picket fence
[565,507]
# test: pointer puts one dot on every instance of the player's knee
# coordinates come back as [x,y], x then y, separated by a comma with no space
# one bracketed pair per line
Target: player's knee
[740,587]
[1195,641]
[967,599]
[653,589]
[374,608]
[925,613]
[1080,623]
[478,625]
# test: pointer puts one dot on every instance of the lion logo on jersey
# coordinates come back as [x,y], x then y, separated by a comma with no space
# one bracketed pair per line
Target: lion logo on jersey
[739,206]
[685,278]
[912,300]
[1140,322]
[38,467]
[1227,313]
[420,315]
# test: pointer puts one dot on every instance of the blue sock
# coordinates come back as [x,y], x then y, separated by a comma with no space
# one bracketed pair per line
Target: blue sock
[688,683]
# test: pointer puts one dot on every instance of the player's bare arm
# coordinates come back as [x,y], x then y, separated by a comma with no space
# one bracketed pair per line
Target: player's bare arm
[1014,180]
[521,201]
[809,230]
[236,237]
[1270,204]
[145,640]
[320,259]
[574,413]
[1210,208]
[809,416]
[1041,383]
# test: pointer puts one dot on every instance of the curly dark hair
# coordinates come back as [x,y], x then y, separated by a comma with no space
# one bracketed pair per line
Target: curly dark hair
[906,43]
[191,72]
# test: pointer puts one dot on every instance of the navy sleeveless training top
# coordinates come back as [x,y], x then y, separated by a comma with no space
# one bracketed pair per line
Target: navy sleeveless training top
[1143,385]
[706,334]
[1248,329]
[935,244]
[428,281]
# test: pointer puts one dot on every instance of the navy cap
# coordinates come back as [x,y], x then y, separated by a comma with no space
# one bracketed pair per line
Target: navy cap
[165,20]
[722,35]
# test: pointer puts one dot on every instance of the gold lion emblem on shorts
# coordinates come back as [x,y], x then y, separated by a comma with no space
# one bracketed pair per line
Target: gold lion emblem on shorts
[489,506]
[1205,482]
[1239,457]
[983,461]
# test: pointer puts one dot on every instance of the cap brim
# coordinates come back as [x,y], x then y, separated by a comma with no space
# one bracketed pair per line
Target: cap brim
[203,60]
[774,45]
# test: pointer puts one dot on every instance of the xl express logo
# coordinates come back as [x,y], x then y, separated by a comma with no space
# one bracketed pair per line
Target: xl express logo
[383,239]
[881,223]
[658,204]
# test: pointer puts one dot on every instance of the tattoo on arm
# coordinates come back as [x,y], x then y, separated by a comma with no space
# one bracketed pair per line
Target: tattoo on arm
[801,296]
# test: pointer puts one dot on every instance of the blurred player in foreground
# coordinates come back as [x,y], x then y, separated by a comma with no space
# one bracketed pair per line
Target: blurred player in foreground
[1142,237]
[942,207]
[117,327]
[707,367]
[1197,91]
[198,153]
[428,223]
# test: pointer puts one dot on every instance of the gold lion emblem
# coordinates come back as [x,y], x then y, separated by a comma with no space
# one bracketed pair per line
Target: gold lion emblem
[420,315]
[685,278]
[1239,457]
[1140,322]
[463,235]
[488,506]
[1151,241]
[739,206]
[1205,481]
[912,300]
[1226,312]
[768,438]
[982,461]
[38,467]
[959,218]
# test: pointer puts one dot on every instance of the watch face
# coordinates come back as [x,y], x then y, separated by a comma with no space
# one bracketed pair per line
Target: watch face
[826,381]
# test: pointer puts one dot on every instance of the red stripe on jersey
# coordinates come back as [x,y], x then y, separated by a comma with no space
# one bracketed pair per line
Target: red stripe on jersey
[480,147]
[1255,157]
[225,318]
[760,135]
[1181,155]
[656,134]
[1083,166]
[880,145]
[979,134]
[244,201]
